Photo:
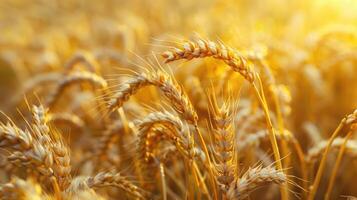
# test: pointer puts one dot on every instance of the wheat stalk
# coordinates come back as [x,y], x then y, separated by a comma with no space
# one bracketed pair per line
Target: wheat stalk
[336,166]
[348,120]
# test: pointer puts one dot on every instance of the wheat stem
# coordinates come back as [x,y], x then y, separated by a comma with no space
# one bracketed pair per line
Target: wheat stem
[323,162]
[210,166]
[163,182]
[336,166]
[272,134]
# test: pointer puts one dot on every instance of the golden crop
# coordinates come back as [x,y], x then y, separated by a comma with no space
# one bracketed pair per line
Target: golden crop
[163,99]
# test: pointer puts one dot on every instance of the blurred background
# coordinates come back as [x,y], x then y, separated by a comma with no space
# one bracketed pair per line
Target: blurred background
[311,44]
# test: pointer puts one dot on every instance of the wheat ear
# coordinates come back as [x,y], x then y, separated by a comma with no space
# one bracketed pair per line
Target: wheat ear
[127,89]
[105,179]
[40,148]
[165,83]
[26,149]
[239,64]
[253,179]
[72,79]
[351,118]
[171,129]
[178,99]
[61,154]
[203,48]
[82,57]
[224,151]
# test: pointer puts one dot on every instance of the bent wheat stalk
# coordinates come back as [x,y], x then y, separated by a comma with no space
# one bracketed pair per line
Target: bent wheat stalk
[346,121]
[336,166]
[239,64]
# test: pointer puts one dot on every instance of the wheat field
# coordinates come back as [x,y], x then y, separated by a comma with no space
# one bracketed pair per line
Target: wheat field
[173,100]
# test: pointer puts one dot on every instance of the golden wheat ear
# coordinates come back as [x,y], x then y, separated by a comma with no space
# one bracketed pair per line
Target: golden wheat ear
[166,84]
[202,48]
[40,148]
[163,126]
[84,58]
[109,179]
[253,179]
[73,79]
[223,141]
